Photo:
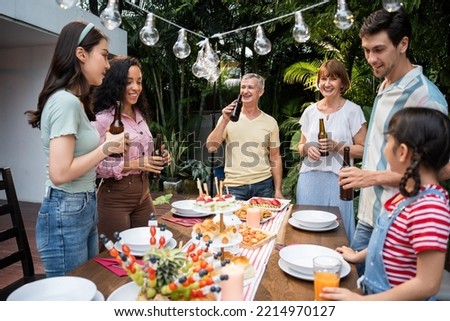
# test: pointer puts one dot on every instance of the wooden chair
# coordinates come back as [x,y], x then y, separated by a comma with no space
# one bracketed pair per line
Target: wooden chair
[22,253]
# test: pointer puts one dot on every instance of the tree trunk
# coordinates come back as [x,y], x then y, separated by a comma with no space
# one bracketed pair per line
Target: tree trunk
[159,98]
[181,98]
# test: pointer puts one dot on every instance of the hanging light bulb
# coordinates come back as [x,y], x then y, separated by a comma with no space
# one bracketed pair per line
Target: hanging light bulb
[262,44]
[301,32]
[181,48]
[198,68]
[214,75]
[110,17]
[211,57]
[149,35]
[343,19]
[392,5]
[66,4]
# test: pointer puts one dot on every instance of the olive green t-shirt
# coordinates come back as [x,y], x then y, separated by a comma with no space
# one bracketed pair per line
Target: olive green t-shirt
[63,115]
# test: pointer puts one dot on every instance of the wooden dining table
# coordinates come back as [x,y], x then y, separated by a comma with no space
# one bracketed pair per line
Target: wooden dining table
[275,284]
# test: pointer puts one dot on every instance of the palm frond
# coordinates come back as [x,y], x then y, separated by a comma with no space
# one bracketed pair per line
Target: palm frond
[302,72]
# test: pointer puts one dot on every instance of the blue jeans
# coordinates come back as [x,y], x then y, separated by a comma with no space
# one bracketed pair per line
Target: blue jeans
[66,230]
[360,241]
[260,189]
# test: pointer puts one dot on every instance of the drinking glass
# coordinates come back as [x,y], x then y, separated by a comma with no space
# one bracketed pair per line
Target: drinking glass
[327,270]
[253,217]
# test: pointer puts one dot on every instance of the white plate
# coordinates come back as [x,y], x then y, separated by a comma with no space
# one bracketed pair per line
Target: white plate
[59,288]
[127,292]
[98,296]
[138,238]
[171,245]
[284,203]
[229,210]
[196,214]
[236,239]
[228,220]
[297,224]
[314,219]
[184,207]
[299,257]
[308,277]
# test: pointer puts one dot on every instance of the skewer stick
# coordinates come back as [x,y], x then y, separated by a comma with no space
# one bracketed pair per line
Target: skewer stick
[221,188]
[205,186]
[199,187]
[222,228]
[216,181]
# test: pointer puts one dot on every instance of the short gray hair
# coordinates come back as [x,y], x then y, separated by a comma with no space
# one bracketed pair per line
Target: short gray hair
[261,80]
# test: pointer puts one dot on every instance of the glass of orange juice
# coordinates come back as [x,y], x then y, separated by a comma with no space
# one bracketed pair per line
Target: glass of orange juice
[327,273]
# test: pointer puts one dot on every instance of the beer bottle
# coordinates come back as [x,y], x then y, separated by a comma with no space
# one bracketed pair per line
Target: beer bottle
[237,110]
[157,151]
[157,147]
[116,126]
[346,194]
[322,134]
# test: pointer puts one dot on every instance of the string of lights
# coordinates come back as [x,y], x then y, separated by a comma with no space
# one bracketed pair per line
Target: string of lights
[206,65]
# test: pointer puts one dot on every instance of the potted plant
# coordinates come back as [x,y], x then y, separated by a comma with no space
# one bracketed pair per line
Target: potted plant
[177,148]
[191,170]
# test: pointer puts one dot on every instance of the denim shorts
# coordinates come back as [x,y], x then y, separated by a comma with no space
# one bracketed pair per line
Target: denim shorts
[66,230]
[260,189]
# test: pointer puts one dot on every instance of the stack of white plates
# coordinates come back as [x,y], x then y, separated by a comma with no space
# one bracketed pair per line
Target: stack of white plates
[297,260]
[313,220]
[185,208]
[60,288]
[138,238]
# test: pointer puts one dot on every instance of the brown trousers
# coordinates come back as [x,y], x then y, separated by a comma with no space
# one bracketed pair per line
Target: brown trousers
[123,204]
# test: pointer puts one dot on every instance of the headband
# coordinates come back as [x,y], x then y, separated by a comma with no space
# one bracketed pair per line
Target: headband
[85,31]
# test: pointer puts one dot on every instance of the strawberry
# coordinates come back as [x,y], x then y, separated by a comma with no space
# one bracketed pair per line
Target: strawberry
[275,202]
[253,201]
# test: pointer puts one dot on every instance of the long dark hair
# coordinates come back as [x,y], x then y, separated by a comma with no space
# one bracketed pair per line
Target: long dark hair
[427,133]
[114,86]
[65,70]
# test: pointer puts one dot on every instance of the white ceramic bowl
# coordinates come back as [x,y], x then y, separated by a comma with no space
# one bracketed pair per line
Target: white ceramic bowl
[138,238]
[59,288]
[314,219]
[299,257]
[184,207]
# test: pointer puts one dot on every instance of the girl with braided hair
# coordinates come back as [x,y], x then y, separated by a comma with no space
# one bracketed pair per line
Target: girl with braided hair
[406,253]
